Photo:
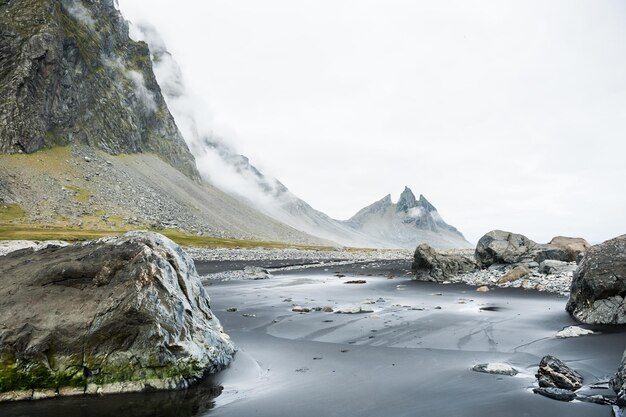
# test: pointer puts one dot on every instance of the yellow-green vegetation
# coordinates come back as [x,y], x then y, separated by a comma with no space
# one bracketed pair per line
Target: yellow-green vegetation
[81,195]
[10,212]
[73,234]
[52,161]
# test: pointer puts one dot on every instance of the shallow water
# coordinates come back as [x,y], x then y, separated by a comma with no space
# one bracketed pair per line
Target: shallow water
[407,358]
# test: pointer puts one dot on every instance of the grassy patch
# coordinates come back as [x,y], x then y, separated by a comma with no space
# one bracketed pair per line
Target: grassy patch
[11,212]
[74,234]
[80,194]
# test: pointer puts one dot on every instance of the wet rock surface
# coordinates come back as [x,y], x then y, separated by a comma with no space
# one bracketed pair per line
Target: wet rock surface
[431,265]
[618,382]
[599,284]
[119,314]
[558,394]
[556,374]
[496,369]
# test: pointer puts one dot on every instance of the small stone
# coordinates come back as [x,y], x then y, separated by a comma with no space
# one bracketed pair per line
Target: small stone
[496,368]
[231,309]
[356,281]
[484,288]
[573,331]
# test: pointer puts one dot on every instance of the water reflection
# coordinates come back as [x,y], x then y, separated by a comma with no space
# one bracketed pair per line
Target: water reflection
[195,401]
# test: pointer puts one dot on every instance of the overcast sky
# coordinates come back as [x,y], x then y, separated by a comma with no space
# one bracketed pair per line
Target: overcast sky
[504,114]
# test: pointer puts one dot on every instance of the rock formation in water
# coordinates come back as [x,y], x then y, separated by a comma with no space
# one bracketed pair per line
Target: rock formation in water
[71,74]
[118,314]
[599,284]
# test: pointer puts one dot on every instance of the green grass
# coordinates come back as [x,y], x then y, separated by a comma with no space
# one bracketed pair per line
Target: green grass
[10,212]
[81,195]
[74,234]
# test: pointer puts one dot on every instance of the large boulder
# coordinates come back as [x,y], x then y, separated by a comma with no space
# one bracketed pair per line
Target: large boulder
[118,314]
[573,246]
[501,247]
[430,265]
[599,284]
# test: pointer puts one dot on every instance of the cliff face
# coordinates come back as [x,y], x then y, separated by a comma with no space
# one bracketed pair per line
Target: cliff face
[69,73]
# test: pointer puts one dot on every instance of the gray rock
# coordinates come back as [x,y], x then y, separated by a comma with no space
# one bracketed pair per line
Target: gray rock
[542,252]
[550,266]
[500,247]
[579,258]
[496,369]
[599,284]
[573,246]
[430,265]
[556,393]
[556,374]
[118,314]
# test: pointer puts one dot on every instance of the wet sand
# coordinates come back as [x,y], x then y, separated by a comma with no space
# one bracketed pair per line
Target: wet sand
[406,358]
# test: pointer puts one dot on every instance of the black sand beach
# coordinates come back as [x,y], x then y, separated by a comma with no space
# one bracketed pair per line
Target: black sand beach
[411,356]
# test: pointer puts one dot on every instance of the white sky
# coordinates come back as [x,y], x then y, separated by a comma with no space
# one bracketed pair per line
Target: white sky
[504,114]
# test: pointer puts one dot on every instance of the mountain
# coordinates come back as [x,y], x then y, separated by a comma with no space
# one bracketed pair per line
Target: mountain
[87,138]
[407,223]
[222,166]
[70,74]
[98,129]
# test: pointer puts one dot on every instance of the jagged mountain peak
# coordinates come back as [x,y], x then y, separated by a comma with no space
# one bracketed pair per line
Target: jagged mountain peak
[407,200]
[407,223]
[425,204]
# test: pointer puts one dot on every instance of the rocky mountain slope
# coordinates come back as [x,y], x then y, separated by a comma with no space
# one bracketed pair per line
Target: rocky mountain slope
[71,74]
[87,137]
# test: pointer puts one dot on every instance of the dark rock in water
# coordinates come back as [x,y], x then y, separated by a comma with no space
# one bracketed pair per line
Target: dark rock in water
[430,265]
[496,369]
[618,382]
[356,281]
[118,314]
[573,246]
[599,284]
[500,247]
[556,393]
[554,373]
[595,399]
